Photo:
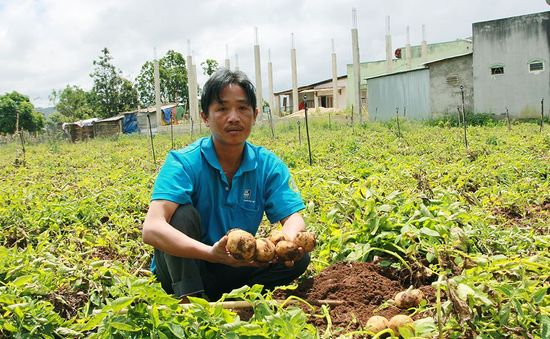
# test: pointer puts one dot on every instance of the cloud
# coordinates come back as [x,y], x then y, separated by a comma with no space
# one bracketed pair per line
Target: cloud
[48,44]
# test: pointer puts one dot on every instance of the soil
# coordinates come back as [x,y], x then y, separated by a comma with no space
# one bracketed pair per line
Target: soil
[365,289]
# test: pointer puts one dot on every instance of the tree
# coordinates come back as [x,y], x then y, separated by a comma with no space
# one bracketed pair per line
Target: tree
[128,96]
[173,80]
[111,94]
[74,103]
[209,66]
[29,119]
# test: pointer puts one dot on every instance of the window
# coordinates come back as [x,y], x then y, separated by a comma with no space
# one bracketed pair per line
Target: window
[452,80]
[536,66]
[499,69]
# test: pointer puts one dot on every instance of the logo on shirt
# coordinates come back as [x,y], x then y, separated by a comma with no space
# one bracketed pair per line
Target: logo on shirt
[247,195]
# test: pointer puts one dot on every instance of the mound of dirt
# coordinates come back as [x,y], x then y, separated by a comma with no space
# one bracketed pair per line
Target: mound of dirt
[363,287]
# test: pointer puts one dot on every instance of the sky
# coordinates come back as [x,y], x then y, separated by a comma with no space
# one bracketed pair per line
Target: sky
[49,44]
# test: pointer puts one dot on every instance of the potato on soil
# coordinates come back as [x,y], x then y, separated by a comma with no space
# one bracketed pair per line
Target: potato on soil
[276,236]
[398,321]
[287,251]
[265,250]
[376,324]
[408,298]
[305,240]
[241,244]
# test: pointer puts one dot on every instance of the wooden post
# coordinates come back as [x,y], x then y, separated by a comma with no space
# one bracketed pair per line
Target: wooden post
[508,120]
[307,132]
[464,118]
[397,118]
[152,145]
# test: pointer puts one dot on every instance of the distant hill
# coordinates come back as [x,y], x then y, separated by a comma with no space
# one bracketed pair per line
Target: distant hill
[45,110]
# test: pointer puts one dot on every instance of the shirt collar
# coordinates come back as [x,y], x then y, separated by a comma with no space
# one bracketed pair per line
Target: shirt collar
[248,163]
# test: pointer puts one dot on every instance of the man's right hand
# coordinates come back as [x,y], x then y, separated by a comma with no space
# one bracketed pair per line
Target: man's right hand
[222,256]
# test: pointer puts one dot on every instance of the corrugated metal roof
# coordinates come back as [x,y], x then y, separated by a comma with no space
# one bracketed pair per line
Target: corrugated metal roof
[447,58]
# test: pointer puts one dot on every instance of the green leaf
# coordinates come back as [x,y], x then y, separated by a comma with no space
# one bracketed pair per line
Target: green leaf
[120,303]
[429,232]
[8,326]
[539,295]
[124,326]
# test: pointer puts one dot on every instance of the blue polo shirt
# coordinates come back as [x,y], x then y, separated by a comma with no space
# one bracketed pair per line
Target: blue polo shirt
[193,175]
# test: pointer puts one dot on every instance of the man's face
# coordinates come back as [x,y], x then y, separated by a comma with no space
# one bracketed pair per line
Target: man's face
[231,119]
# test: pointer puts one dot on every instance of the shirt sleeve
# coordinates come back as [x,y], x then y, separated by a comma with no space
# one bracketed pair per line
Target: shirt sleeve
[282,195]
[174,181]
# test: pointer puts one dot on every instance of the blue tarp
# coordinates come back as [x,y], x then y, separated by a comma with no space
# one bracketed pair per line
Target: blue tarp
[130,123]
[166,115]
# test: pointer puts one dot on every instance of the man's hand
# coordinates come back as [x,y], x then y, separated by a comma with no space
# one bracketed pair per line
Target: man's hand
[222,256]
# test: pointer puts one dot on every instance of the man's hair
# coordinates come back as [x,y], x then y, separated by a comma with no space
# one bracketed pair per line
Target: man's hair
[219,80]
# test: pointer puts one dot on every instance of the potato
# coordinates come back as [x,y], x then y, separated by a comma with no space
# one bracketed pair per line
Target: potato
[276,236]
[399,321]
[377,323]
[265,250]
[287,251]
[408,298]
[305,240]
[241,244]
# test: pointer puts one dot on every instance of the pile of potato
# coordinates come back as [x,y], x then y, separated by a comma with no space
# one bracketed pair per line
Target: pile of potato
[244,246]
[404,300]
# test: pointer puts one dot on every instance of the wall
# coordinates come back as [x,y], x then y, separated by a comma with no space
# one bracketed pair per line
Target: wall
[512,42]
[445,93]
[407,89]
[435,51]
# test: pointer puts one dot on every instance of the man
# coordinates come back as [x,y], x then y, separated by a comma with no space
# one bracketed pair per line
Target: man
[216,184]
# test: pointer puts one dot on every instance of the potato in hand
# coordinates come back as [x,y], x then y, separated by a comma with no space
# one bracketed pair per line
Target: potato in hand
[305,240]
[241,244]
[265,250]
[288,251]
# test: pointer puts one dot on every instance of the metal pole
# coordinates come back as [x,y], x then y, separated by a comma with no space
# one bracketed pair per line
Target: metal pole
[152,146]
[541,113]
[307,132]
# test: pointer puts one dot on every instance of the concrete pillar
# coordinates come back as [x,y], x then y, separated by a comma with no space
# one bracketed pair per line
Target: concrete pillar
[270,83]
[316,100]
[236,62]
[334,80]
[295,98]
[389,62]
[408,49]
[195,95]
[157,92]
[191,85]
[424,45]
[259,98]
[356,68]
[227,63]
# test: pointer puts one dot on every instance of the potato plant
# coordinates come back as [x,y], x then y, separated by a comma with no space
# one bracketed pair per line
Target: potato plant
[474,223]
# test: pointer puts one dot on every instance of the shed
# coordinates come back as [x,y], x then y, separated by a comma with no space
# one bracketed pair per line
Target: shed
[108,127]
[80,130]
[425,92]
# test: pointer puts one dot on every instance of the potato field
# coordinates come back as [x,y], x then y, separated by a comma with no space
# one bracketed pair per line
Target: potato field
[469,227]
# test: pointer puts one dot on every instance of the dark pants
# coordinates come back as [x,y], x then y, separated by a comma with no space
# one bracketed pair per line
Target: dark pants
[182,276]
